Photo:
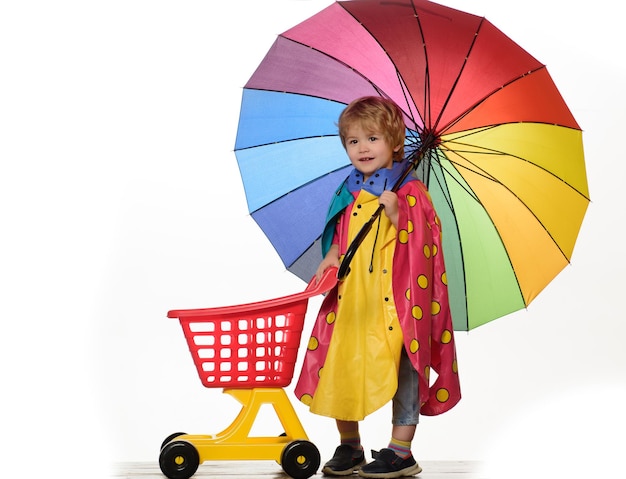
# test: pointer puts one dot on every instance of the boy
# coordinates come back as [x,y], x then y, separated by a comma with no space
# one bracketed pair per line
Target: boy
[381,330]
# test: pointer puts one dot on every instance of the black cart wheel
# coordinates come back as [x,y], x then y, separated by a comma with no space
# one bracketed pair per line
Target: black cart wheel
[300,459]
[179,460]
[170,437]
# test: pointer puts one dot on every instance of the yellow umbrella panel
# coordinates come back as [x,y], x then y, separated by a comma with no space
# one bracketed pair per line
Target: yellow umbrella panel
[517,195]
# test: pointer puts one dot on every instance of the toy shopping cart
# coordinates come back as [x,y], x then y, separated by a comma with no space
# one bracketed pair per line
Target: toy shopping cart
[250,351]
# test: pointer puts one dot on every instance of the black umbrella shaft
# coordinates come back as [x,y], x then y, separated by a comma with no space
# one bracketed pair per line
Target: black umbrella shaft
[344,267]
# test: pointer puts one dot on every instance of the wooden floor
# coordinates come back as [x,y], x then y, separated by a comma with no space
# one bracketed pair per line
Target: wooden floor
[271,470]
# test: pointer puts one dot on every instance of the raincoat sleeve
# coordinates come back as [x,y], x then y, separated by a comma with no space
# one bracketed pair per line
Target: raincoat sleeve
[340,201]
[421,297]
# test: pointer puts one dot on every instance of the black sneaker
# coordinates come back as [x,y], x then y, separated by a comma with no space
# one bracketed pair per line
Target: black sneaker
[388,465]
[345,461]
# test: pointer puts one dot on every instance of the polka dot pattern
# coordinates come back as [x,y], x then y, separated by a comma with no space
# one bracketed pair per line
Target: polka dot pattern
[443,395]
[431,339]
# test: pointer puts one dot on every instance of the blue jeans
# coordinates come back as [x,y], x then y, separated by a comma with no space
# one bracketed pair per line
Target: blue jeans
[406,405]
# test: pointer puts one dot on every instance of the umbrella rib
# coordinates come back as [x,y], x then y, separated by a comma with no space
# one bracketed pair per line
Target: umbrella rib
[488,95]
[329,172]
[405,91]
[305,94]
[426,99]
[286,141]
[473,195]
[491,151]
[293,93]
[490,177]
[441,181]
[378,90]
[443,187]
[458,77]
[408,100]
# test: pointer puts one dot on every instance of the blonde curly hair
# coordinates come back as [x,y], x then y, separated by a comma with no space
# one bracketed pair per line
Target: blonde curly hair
[375,113]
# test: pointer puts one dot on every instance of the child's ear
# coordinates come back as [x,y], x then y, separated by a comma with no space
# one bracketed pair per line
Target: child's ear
[397,148]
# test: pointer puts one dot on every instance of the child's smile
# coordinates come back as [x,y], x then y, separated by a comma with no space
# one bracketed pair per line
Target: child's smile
[368,150]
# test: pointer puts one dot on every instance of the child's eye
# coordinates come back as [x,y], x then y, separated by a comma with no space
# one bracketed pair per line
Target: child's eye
[373,138]
[352,142]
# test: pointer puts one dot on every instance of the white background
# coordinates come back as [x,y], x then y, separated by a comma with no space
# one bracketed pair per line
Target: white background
[121,200]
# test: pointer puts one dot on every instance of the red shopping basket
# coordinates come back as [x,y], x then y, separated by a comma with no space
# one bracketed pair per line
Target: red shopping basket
[249,345]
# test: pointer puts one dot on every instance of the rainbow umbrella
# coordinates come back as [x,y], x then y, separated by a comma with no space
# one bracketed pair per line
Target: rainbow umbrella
[499,150]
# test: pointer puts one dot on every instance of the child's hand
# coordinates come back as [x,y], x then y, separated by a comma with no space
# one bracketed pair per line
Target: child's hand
[390,201]
[331,259]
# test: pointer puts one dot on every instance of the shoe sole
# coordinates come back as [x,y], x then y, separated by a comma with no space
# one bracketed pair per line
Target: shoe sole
[329,472]
[408,471]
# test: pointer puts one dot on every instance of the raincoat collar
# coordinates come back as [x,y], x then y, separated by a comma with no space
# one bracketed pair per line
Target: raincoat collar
[383,179]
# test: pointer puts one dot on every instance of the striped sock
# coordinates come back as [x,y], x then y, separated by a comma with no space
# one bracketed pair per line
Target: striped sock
[401,448]
[351,439]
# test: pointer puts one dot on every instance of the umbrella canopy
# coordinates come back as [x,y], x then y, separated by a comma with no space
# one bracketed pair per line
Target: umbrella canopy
[502,153]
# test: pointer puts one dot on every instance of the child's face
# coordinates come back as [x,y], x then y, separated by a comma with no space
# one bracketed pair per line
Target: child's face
[368,149]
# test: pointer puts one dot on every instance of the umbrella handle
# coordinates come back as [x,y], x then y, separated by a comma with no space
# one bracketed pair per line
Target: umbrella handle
[344,267]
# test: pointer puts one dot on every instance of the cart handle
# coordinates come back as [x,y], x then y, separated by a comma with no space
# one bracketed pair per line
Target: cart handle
[326,283]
